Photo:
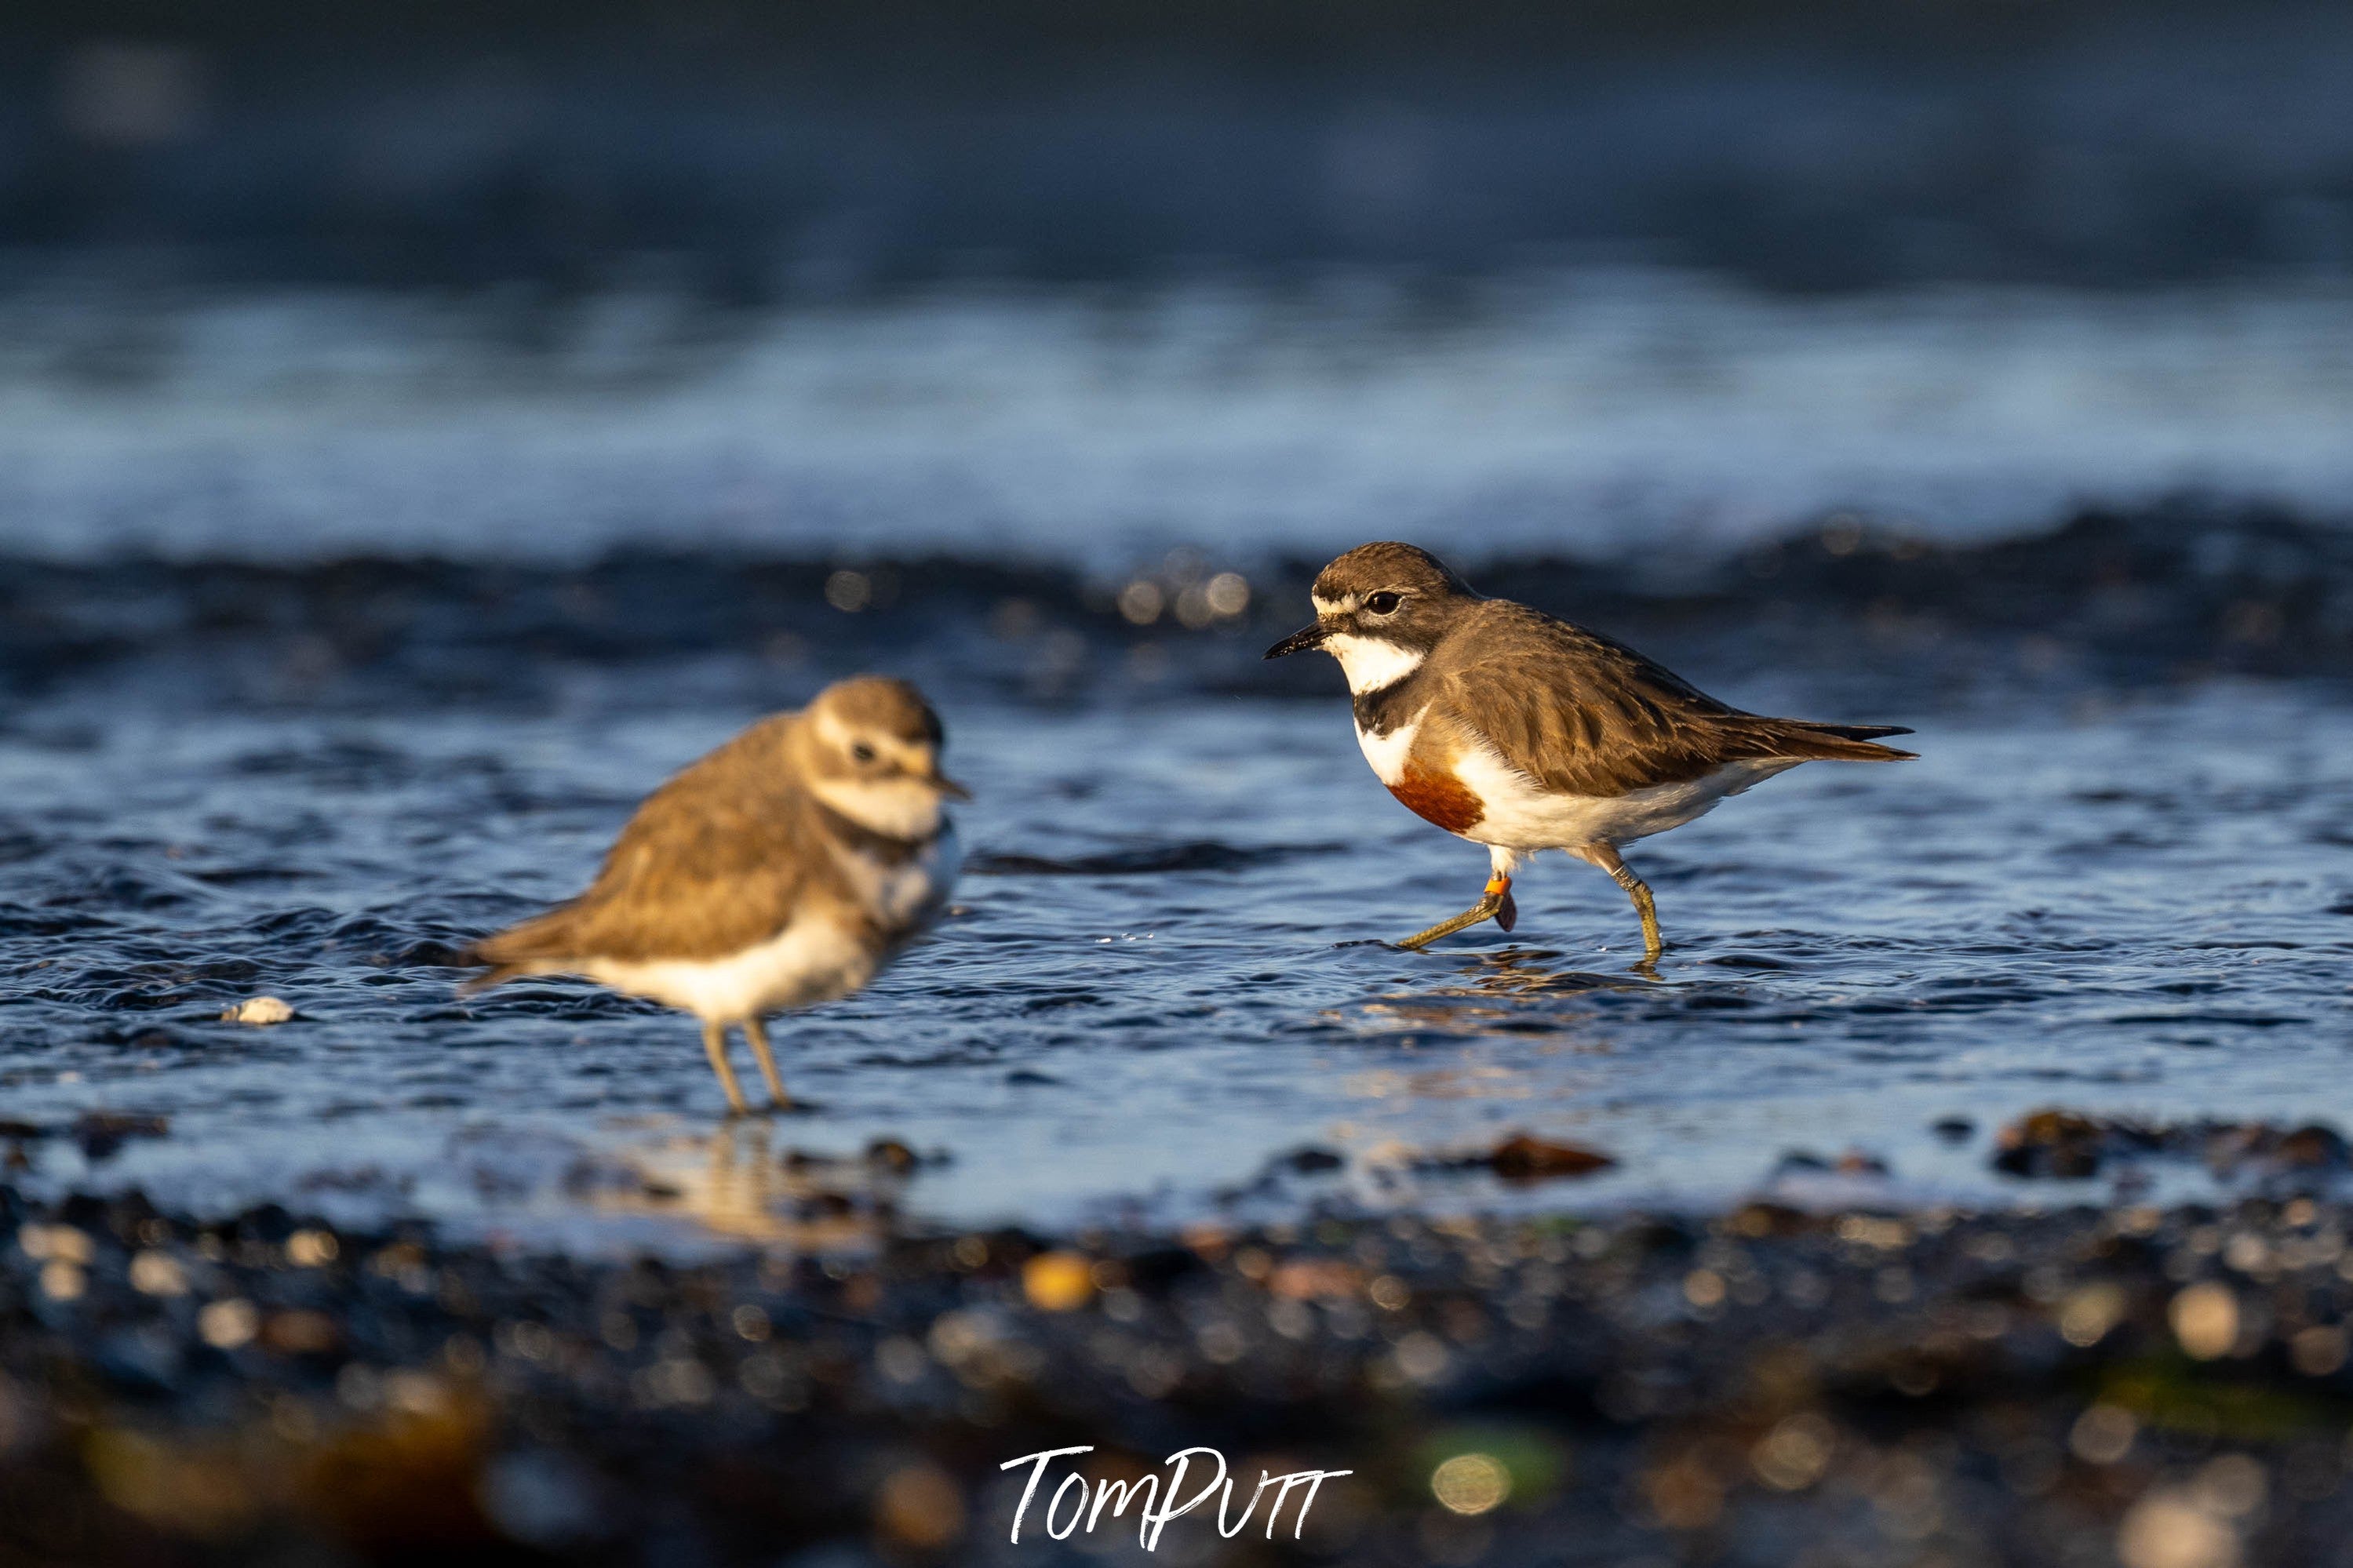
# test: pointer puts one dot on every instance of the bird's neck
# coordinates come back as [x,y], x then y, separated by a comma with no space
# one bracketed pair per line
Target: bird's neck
[1382,708]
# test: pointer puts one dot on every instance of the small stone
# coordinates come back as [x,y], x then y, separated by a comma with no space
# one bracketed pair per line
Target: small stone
[920,1506]
[300,1331]
[1057,1281]
[1761,1218]
[225,1325]
[311,1248]
[2051,1143]
[2314,1148]
[102,1133]
[1316,1279]
[156,1273]
[2205,1319]
[258,1010]
[1522,1158]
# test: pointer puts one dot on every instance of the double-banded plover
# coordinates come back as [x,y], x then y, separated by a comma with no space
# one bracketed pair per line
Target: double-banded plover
[1514,730]
[785,869]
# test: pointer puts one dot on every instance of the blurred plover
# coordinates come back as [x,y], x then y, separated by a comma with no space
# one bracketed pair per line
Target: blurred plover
[1522,733]
[784,869]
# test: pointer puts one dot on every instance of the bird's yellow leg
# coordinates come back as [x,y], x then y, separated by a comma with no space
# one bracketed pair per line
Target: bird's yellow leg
[757,1033]
[714,1042]
[1494,905]
[1603,856]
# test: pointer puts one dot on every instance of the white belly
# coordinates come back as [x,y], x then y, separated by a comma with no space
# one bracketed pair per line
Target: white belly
[814,958]
[1522,815]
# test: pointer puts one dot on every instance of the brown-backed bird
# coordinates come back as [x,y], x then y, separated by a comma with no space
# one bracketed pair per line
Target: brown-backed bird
[785,869]
[1517,731]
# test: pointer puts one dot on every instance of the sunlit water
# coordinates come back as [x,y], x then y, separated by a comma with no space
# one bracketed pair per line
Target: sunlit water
[1596,409]
[2139,906]
[1168,971]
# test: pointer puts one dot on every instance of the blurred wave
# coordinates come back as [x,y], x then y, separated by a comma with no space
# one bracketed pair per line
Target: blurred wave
[1588,412]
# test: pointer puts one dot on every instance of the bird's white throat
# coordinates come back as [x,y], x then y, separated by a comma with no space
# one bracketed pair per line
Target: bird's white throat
[1371,663]
[896,808]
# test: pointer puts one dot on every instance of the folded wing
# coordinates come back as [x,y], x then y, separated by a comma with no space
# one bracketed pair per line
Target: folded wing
[1583,714]
[715,862]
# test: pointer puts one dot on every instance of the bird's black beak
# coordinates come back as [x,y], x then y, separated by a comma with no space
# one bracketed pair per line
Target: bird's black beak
[1304,640]
[949,787]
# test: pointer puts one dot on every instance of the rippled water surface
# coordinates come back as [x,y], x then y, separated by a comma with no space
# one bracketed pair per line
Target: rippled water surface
[301,696]
[1168,970]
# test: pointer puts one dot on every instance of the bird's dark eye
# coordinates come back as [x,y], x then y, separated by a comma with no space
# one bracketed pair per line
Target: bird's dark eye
[1382,603]
[862,752]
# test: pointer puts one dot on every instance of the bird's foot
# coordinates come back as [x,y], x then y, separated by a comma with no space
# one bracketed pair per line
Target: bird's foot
[1495,906]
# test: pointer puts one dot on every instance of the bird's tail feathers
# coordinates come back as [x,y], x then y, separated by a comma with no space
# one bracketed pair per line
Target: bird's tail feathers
[498,975]
[1837,743]
[537,946]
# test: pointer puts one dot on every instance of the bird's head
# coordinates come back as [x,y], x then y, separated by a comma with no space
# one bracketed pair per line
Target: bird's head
[873,754]
[1379,609]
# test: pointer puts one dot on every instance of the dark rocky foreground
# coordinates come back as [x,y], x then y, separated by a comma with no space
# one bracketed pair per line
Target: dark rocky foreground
[2166,1389]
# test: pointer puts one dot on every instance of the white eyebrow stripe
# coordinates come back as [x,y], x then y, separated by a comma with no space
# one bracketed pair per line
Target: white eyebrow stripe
[1325,606]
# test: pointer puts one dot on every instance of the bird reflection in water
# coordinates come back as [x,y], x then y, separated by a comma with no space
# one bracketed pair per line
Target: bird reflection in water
[1484,990]
[1530,972]
[734,1183]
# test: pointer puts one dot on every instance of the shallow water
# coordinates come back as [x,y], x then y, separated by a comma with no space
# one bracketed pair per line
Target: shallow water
[312,711]
[1168,970]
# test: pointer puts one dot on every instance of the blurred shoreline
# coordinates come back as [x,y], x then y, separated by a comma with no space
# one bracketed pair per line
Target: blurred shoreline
[2194,589]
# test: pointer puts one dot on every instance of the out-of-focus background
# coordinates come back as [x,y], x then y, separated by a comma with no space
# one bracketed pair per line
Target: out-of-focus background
[1095,280]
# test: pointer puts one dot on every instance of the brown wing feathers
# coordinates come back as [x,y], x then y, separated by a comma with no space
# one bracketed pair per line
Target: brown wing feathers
[1585,715]
[714,862]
